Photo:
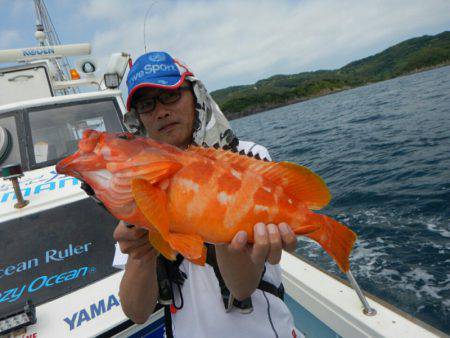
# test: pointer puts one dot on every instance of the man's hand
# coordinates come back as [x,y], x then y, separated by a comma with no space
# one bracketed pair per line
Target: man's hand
[241,264]
[134,242]
[139,287]
[269,240]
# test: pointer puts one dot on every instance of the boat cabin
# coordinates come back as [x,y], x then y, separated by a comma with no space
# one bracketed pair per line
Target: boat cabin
[57,244]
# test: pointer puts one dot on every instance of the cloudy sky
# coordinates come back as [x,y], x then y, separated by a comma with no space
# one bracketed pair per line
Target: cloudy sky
[233,42]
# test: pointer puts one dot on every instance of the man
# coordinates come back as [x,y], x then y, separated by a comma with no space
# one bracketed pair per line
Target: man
[167,103]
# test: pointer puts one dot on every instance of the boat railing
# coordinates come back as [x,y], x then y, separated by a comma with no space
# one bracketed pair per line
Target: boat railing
[331,300]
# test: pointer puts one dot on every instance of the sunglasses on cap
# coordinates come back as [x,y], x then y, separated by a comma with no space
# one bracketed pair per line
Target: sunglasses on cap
[148,105]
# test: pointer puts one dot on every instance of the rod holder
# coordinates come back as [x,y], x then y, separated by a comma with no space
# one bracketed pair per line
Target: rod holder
[21,202]
[13,172]
[368,310]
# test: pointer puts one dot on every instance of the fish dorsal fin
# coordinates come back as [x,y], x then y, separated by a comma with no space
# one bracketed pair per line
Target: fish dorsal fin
[297,181]
[300,181]
[237,161]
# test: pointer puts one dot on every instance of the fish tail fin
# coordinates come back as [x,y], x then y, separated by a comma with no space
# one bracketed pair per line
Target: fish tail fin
[334,237]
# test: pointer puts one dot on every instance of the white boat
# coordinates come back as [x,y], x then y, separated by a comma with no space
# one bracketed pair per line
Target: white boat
[56,274]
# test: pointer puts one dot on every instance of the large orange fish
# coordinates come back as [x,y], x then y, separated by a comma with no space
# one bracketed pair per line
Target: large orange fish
[188,197]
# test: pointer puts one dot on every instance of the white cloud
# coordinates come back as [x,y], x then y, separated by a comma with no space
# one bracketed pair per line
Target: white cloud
[109,9]
[9,38]
[14,7]
[239,42]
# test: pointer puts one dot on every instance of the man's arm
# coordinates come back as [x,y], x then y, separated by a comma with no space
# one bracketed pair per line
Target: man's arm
[139,287]
[241,264]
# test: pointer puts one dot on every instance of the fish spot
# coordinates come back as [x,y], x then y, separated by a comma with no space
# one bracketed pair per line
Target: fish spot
[289,201]
[267,189]
[223,197]
[278,193]
[164,184]
[228,183]
[263,197]
[243,200]
[229,223]
[260,208]
[236,174]
[189,184]
[200,171]
[106,152]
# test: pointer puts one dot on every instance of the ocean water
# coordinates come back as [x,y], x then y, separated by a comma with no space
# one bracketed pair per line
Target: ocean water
[384,151]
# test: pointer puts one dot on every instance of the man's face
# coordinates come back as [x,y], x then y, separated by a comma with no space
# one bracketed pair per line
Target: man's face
[171,123]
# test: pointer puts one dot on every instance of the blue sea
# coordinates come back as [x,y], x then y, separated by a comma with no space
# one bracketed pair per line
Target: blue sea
[384,151]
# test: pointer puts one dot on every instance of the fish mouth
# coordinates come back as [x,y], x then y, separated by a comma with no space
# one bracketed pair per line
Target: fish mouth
[64,166]
[75,164]
[168,126]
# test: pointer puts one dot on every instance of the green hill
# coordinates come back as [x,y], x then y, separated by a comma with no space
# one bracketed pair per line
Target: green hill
[406,57]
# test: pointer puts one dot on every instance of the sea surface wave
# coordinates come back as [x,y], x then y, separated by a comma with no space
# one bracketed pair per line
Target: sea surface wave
[384,151]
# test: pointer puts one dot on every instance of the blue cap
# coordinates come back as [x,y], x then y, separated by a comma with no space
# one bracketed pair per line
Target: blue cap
[155,70]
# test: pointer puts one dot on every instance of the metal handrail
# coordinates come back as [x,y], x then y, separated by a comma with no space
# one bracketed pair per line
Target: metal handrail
[368,310]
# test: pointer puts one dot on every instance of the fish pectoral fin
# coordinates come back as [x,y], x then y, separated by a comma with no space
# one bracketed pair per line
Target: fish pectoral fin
[162,246]
[190,246]
[152,202]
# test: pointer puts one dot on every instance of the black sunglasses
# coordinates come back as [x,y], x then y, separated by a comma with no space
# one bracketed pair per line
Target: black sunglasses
[148,105]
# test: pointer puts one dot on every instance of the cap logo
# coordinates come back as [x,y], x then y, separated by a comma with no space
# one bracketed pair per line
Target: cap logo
[156,68]
[156,57]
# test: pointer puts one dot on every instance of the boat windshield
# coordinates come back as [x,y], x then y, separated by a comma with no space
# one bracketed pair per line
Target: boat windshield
[56,130]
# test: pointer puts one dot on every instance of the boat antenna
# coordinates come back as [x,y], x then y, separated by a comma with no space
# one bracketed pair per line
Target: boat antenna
[49,37]
[145,21]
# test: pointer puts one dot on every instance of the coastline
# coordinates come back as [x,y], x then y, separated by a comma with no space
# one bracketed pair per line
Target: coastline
[324,92]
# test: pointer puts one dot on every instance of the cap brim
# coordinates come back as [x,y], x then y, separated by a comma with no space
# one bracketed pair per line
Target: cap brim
[170,82]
